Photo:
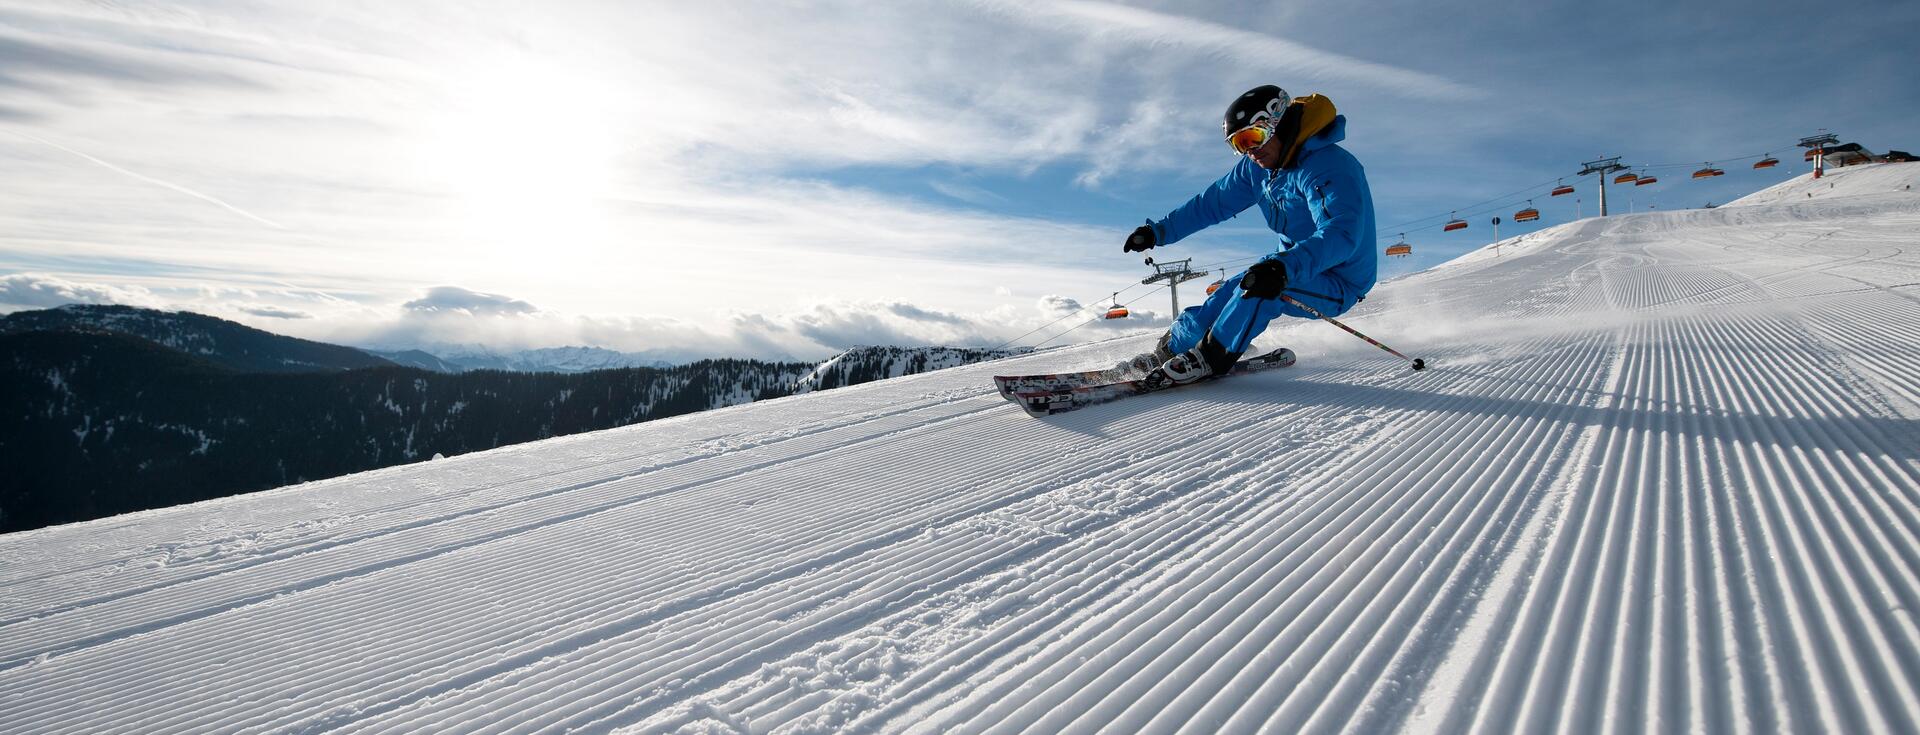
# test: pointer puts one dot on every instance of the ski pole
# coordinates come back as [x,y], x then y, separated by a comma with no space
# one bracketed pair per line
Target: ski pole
[1418,364]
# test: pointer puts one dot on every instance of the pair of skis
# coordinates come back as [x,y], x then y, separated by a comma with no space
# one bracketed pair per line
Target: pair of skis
[1045,395]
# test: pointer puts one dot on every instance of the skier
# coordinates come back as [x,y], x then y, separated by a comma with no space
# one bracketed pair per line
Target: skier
[1312,192]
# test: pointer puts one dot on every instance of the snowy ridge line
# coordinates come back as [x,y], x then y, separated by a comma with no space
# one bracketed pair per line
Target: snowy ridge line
[1664,475]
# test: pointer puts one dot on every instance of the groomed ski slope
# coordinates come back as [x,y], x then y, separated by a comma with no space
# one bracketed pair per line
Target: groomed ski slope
[1662,478]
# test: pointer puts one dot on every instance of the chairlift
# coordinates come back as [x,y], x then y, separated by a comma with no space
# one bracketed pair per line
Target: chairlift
[1645,180]
[1400,249]
[1116,311]
[1217,283]
[1454,224]
[1708,172]
[1562,189]
[1768,162]
[1626,178]
[1527,215]
[1811,152]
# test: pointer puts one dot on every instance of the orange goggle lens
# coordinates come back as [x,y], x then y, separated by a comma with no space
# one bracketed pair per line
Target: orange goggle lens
[1246,139]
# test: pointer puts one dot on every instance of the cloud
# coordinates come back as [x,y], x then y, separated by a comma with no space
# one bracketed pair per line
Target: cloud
[41,291]
[472,303]
[909,311]
[272,312]
[1057,305]
[809,333]
[847,324]
[45,67]
[451,317]
[831,327]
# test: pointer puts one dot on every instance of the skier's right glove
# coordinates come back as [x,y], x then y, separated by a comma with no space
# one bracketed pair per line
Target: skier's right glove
[1141,240]
[1265,280]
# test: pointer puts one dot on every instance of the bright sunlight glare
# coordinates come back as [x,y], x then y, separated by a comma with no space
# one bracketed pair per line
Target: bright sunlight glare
[526,150]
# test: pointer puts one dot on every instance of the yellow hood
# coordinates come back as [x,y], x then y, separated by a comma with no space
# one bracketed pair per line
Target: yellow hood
[1316,113]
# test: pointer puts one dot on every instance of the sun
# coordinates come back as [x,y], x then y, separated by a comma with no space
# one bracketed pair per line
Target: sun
[525,151]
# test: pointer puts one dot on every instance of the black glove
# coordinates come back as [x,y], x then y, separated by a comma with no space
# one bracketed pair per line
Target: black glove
[1142,239]
[1265,280]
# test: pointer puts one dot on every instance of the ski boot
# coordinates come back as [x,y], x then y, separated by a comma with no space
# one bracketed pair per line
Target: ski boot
[1142,364]
[1205,360]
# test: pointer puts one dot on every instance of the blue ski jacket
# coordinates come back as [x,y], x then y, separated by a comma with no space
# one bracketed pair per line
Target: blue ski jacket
[1321,208]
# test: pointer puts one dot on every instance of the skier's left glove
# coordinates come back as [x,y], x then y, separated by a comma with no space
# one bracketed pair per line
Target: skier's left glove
[1142,239]
[1265,280]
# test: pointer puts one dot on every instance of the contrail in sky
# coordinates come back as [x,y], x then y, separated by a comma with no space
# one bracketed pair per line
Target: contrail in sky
[154,181]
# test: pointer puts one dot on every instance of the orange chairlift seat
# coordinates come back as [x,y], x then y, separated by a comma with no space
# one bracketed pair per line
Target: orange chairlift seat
[1527,215]
[1454,224]
[1708,172]
[1217,283]
[1645,180]
[1768,162]
[1562,189]
[1400,249]
[1625,178]
[1116,311]
[1811,152]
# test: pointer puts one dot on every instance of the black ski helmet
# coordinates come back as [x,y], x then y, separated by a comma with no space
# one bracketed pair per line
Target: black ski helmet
[1255,107]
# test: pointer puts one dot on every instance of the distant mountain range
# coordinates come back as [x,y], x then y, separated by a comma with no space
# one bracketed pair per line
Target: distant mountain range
[227,344]
[244,348]
[868,364]
[120,409]
[461,358]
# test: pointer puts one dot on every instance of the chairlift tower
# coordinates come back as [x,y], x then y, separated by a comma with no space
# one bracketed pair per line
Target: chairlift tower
[1603,167]
[1818,144]
[1174,274]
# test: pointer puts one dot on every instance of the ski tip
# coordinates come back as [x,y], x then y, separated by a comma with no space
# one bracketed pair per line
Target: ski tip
[1419,364]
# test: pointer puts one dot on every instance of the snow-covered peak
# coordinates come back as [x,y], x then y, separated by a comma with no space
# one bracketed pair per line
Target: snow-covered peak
[1867,179]
[569,359]
[868,363]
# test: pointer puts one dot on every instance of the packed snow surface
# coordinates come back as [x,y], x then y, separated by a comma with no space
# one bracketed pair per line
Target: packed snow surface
[1662,477]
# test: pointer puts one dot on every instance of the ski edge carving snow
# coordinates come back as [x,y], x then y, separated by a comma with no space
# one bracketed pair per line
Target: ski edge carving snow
[1049,394]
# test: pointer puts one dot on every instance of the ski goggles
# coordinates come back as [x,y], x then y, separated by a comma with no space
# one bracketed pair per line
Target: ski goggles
[1248,139]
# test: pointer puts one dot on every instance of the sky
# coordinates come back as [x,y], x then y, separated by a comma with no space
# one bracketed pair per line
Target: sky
[788,179]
